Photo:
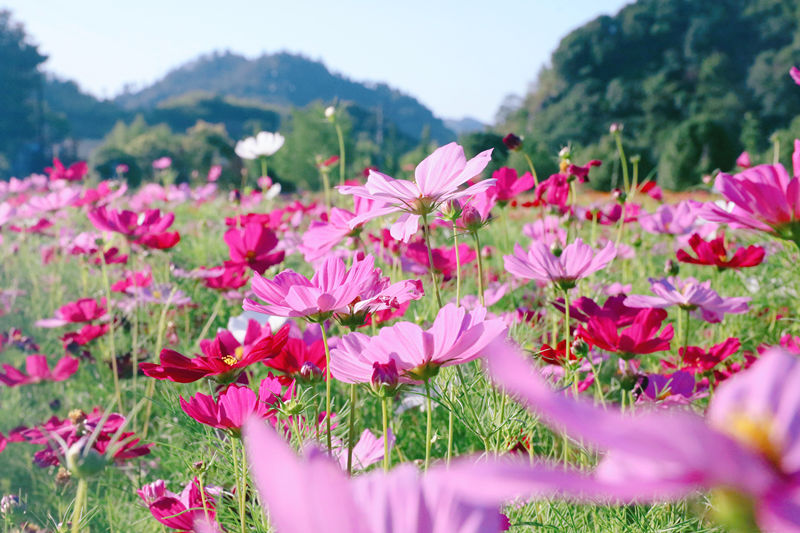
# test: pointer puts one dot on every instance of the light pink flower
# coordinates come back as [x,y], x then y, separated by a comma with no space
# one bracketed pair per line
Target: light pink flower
[436,180]
[578,260]
[700,298]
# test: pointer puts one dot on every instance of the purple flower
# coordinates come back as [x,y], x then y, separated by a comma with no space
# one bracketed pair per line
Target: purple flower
[691,295]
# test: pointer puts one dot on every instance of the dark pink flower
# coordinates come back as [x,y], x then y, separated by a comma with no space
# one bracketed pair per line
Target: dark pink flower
[83,310]
[75,172]
[234,405]
[253,246]
[508,186]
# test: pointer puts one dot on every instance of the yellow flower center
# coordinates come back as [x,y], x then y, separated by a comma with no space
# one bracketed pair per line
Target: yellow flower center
[756,433]
[157,295]
[231,360]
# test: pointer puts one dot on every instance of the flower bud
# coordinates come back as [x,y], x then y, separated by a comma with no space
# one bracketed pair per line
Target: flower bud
[11,505]
[616,127]
[330,113]
[84,463]
[565,153]
[556,249]
[671,268]
[580,348]
[451,210]
[471,219]
[310,371]
[619,195]
[512,142]
[385,378]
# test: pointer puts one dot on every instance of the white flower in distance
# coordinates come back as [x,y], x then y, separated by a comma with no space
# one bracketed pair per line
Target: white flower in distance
[264,144]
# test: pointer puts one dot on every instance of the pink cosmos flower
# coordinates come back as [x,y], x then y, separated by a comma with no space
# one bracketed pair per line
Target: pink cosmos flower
[323,236]
[578,260]
[677,219]
[456,337]
[743,160]
[181,512]
[444,259]
[332,289]
[253,246]
[102,194]
[214,173]
[549,230]
[234,405]
[366,452]
[553,191]
[129,223]
[508,186]
[700,298]
[794,72]
[746,448]
[764,198]
[436,180]
[38,370]
[75,172]
[83,310]
[162,163]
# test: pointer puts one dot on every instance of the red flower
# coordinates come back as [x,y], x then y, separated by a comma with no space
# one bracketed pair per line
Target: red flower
[159,241]
[557,355]
[223,358]
[714,253]
[299,360]
[641,337]
[251,246]
[696,360]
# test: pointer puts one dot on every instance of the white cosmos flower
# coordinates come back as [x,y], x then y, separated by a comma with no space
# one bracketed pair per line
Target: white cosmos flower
[264,144]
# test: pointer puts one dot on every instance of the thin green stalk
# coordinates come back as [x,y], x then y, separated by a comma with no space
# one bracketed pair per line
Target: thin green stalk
[240,482]
[450,428]
[327,387]
[480,266]
[623,161]
[151,385]
[340,136]
[686,330]
[426,230]
[385,412]
[326,187]
[458,266]
[533,170]
[428,424]
[263,167]
[351,430]
[203,496]
[111,345]
[567,360]
[79,504]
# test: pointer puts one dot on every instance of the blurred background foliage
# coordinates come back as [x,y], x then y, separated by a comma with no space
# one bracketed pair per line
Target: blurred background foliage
[694,83]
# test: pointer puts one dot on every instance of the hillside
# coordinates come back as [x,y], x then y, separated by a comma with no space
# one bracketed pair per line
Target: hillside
[693,83]
[284,80]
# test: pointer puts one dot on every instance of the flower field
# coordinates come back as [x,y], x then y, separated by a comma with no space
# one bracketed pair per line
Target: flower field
[447,350]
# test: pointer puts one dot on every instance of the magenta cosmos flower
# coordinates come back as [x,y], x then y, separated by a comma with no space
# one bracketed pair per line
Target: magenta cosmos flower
[224,357]
[181,511]
[332,289]
[763,198]
[578,260]
[691,295]
[253,246]
[38,370]
[747,450]
[148,228]
[234,405]
[436,180]
[508,185]
[413,354]
[83,310]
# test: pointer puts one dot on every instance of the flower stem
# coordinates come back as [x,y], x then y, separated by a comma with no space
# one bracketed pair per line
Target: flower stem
[151,386]
[686,329]
[327,387]
[351,430]
[240,482]
[326,186]
[79,504]
[623,161]
[567,359]
[450,423]
[426,230]
[458,266]
[340,136]
[428,424]
[385,412]
[533,170]
[111,345]
[480,266]
[263,169]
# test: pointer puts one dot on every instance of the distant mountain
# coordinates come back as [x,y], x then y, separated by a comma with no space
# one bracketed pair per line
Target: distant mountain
[283,80]
[464,125]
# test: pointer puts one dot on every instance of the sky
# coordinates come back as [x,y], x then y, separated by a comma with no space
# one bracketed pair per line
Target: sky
[458,57]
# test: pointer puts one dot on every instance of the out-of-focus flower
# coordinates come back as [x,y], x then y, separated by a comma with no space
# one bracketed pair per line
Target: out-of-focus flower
[578,260]
[253,246]
[690,294]
[743,161]
[162,163]
[264,144]
[75,172]
[512,142]
[794,72]
[83,310]
[37,370]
